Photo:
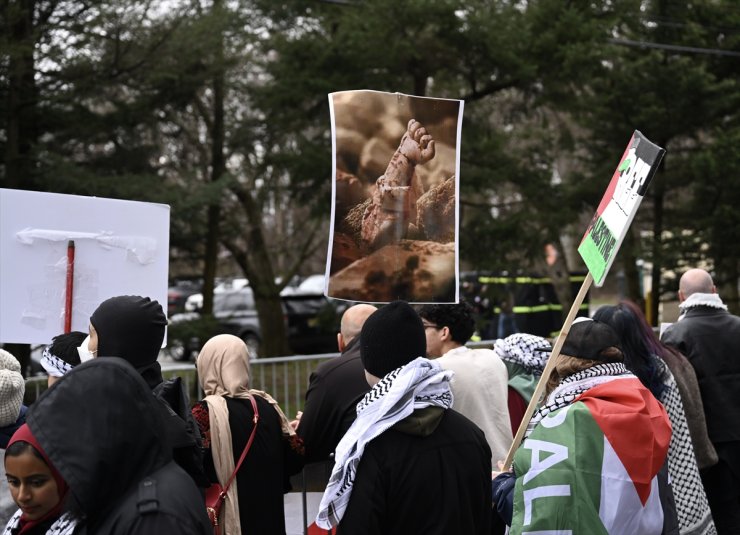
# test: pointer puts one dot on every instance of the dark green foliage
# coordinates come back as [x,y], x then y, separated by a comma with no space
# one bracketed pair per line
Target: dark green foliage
[121,104]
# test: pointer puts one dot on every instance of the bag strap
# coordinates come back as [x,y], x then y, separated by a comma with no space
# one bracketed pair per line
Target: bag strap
[246,448]
[147,502]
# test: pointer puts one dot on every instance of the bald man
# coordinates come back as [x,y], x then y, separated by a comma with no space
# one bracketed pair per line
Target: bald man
[334,390]
[695,281]
[709,336]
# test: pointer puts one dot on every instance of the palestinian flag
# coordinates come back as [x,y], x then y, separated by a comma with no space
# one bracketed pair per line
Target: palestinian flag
[591,468]
[619,205]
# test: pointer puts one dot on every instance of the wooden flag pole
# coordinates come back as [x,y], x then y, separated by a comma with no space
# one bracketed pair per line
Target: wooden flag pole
[548,368]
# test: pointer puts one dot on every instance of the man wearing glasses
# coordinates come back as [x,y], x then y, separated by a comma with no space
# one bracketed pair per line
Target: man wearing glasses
[480,384]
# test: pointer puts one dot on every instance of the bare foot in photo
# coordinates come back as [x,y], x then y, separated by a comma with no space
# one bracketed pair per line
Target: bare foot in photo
[394,196]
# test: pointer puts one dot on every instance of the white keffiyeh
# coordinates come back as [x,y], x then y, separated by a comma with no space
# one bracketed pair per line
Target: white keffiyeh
[53,365]
[421,383]
[64,525]
[527,350]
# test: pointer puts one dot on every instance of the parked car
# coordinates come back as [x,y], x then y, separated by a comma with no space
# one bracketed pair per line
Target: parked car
[178,293]
[195,302]
[311,322]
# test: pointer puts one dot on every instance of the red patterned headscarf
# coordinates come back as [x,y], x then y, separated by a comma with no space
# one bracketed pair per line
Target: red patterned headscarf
[23,434]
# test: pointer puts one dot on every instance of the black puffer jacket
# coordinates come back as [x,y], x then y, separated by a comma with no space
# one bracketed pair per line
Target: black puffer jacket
[103,430]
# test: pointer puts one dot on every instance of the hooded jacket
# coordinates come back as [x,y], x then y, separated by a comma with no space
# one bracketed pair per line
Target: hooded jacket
[132,328]
[101,428]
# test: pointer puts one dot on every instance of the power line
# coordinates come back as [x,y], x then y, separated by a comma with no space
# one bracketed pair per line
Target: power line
[667,21]
[675,48]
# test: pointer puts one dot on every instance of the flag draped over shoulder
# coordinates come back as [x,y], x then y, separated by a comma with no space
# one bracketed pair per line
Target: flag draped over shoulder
[591,467]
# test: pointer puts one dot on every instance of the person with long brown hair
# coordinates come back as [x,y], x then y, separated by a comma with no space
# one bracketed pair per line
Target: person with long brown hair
[654,363]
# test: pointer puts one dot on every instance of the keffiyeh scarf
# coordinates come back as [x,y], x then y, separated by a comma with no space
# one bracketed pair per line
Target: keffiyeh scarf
[53,365]
[692,507]
[64,525]
[527,350]
[421,383]
[574,385]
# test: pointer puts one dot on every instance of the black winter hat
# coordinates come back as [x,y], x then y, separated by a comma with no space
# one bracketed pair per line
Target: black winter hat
[391,337]
[588,338]
[130,327]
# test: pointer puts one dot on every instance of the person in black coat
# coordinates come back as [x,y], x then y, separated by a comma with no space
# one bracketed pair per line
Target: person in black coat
[132,328]
[709,336]
[104,432]
[334,390]
[409,464]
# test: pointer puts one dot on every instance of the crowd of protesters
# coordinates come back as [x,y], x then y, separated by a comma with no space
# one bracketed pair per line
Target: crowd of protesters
[635,434]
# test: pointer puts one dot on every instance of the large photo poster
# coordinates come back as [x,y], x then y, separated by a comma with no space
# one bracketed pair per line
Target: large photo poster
[394,228]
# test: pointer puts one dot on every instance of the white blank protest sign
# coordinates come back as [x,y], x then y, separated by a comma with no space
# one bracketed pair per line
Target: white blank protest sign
[121,248]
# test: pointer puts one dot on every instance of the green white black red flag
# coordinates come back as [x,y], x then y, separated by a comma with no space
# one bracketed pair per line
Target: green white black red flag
[626,190]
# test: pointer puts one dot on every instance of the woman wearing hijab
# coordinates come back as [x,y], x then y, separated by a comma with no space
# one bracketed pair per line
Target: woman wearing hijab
[36,487]
[654,364]
[254,502]
[101,428]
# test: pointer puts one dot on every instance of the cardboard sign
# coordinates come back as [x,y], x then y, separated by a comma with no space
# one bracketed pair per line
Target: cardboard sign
[121,248]
[395,190]
[619,205]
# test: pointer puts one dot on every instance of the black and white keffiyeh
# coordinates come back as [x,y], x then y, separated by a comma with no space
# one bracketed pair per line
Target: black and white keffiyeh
[692,506]
[528,350]
[574,385]
[421,383]
[64,525]
[53,365]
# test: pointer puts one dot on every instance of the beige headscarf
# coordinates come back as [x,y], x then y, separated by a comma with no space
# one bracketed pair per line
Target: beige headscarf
[223,371]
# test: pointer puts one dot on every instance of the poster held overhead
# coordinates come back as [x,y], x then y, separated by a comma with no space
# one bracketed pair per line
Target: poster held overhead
[395,190]
[619,205]
[120,248]
[600,245]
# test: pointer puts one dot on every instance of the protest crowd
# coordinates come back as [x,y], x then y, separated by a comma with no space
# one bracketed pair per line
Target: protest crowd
[636,434]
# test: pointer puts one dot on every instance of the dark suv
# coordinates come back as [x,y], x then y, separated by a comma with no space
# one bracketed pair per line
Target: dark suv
[312,322]
[179,292]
